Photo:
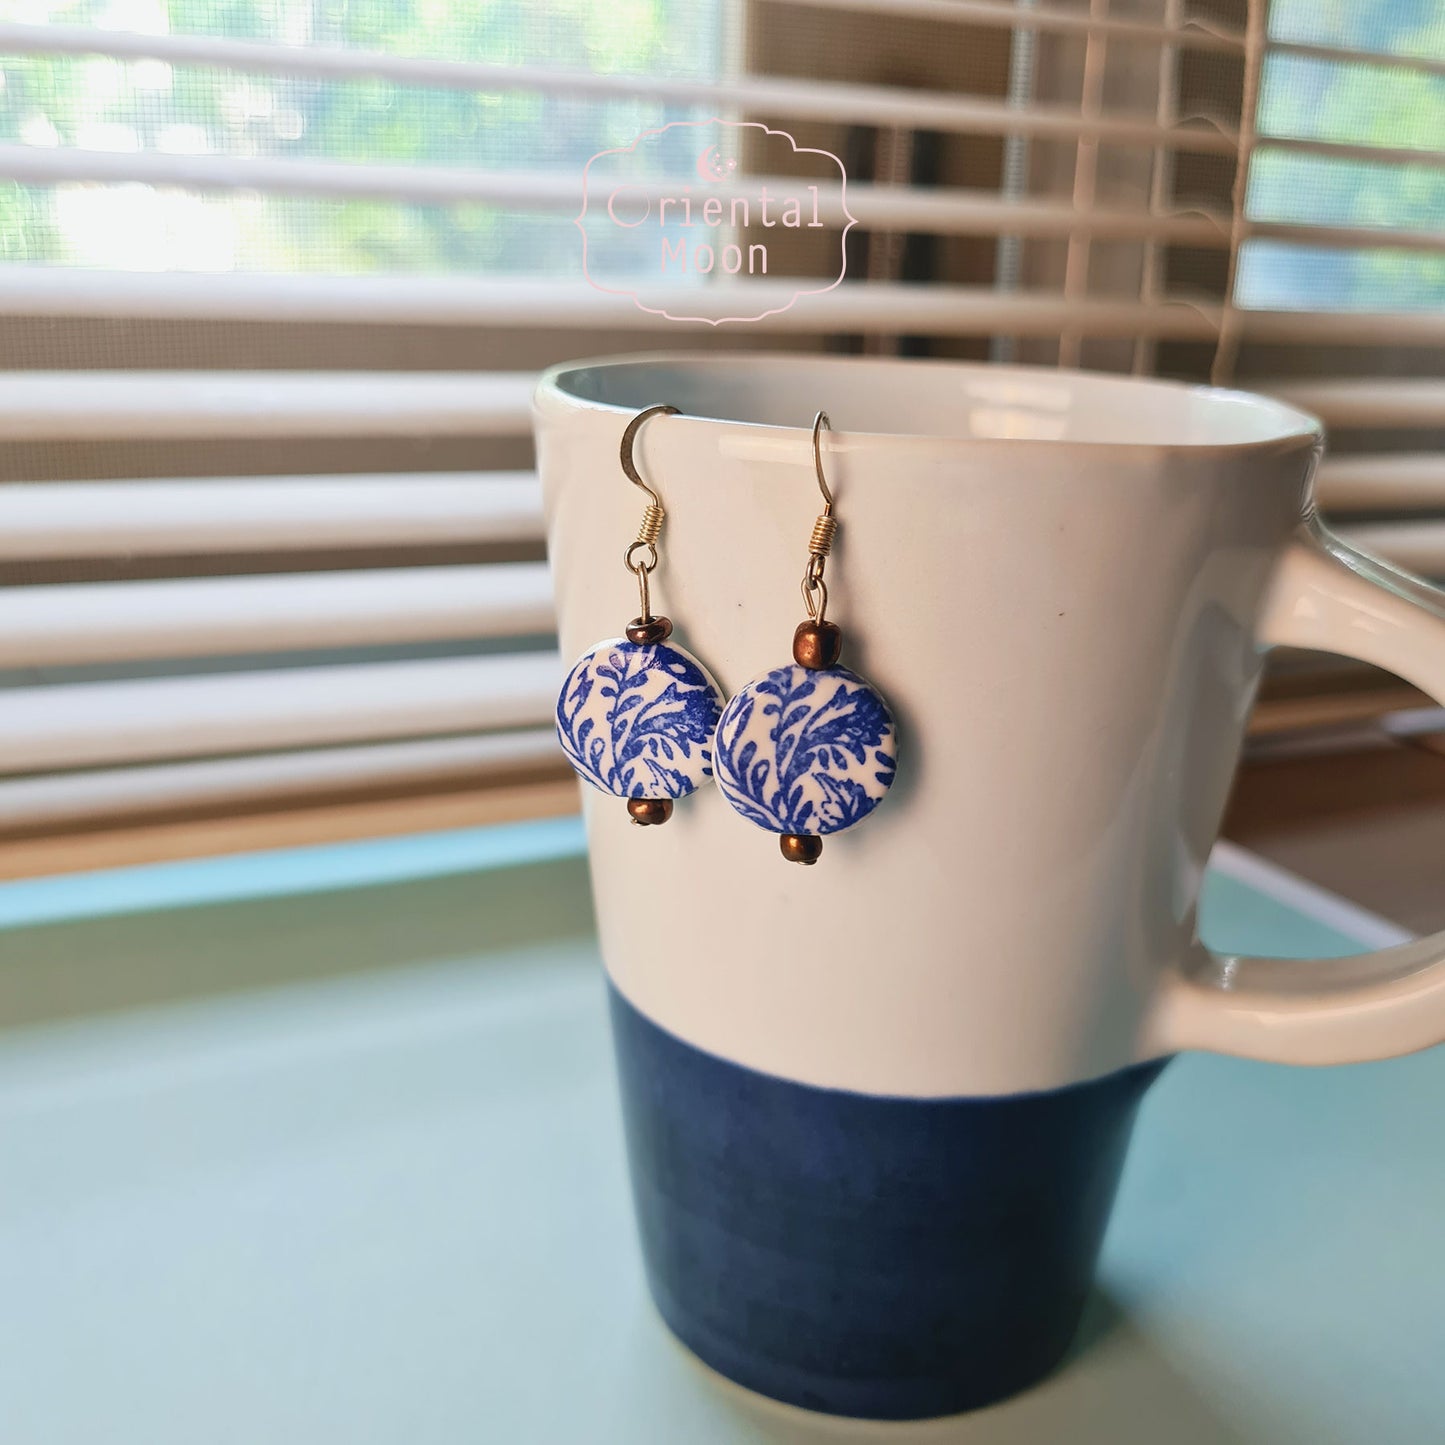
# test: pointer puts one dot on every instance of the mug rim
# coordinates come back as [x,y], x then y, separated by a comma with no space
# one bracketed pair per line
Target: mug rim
[1296,427]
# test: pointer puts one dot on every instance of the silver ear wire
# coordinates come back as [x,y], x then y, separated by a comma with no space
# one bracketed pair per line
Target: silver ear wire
[825,528]
[653,516]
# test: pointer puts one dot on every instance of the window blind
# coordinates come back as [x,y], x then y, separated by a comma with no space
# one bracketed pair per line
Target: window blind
[1338,206]
[255,604]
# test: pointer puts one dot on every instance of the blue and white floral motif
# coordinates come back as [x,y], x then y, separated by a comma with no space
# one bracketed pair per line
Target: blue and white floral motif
[807,752]
[637,721]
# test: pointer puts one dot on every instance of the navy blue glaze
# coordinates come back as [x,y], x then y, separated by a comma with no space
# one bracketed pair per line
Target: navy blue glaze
[860,1254]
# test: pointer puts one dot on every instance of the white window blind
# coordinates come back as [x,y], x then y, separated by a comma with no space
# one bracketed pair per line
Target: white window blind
[270,545]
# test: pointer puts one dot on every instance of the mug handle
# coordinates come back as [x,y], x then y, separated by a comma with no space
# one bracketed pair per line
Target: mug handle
[1328,596]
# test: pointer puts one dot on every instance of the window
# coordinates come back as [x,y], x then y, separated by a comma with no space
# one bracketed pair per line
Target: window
[254,136]
[277,278]
[1341,95]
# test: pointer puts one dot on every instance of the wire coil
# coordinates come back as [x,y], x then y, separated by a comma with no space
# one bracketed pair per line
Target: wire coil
[825,528]
[650,528]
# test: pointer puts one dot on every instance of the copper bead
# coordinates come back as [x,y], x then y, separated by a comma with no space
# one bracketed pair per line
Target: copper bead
[647,630]
[649,812]
[801,847]
[817,645]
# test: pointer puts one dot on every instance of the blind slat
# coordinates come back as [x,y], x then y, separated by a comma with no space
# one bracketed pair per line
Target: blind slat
[1343,327]
[106,794]
[498,405]
[453,403]
[1380,155]
[1363,238]
[1417,546]
[1043,19]
[101,405]
[938,211]
[235,514]
[93,724]
[67,625]
[1369,482]
[128,844]
[756,95]
[1348,55]
[1405,401]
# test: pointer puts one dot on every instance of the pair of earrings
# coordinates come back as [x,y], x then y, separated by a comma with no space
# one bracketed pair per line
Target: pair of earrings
[806,749]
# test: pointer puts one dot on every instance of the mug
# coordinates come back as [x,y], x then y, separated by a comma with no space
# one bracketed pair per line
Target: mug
[876,1109]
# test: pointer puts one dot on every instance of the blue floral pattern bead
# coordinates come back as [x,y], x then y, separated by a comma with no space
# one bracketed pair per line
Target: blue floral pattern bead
[804,751]
[637,720]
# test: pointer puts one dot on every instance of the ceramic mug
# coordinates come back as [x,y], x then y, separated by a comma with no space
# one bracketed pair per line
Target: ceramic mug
[876,1109]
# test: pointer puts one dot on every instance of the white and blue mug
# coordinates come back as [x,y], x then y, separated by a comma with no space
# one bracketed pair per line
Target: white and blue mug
[877,1109]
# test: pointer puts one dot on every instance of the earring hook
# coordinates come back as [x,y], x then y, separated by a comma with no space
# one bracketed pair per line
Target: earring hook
[629,467]
[825,528]
[650,528]
[819,422]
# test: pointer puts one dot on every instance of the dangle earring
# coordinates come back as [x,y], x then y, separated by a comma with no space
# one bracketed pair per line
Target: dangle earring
[637,714]
[808,748]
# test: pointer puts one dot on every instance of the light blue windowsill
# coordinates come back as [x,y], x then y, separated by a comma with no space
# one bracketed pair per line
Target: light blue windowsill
[286,872]
[388,1202]
[1237,916]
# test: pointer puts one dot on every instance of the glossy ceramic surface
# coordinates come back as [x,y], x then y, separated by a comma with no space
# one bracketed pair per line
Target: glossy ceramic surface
[638,720]
[1064,585]
[890,1258]
[806,752]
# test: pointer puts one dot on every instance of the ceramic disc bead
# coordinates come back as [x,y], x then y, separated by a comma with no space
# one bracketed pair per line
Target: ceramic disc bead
[806,752]
[638,720]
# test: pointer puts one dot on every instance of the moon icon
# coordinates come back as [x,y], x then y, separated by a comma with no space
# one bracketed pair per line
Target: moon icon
[711,167]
